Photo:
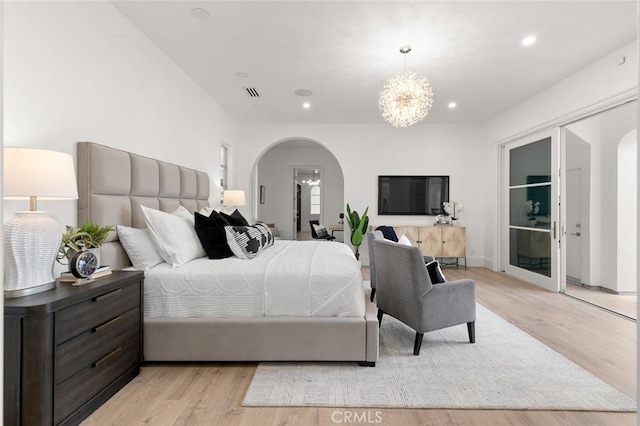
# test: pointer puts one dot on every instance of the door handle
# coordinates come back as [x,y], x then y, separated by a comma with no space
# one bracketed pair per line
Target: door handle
[577,234]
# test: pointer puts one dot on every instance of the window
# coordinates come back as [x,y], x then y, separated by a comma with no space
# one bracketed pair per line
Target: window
[315,200]
[224,169]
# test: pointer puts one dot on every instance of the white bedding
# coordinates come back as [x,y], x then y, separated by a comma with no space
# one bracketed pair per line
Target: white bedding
[291,278]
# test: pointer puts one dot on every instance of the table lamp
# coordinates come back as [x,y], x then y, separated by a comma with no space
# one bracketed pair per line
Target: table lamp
[233,198]
[32,238]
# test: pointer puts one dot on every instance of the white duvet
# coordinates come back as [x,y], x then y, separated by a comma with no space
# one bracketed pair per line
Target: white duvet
[291,278]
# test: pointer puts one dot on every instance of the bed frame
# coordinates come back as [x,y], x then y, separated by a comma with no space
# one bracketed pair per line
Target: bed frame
[113,184]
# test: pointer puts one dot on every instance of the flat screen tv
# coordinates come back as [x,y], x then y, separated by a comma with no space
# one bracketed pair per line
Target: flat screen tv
[412,195]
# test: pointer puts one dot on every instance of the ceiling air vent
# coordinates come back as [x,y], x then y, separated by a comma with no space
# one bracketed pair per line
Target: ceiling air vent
[252,91]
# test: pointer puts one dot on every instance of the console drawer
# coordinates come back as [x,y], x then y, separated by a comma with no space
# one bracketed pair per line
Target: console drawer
[79,352]
[91,313]
[74,392]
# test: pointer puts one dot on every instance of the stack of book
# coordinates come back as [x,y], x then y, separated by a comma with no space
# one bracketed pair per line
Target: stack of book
[101,271]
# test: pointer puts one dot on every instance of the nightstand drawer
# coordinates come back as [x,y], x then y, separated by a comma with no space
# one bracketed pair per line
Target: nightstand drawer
[75,354]
[74,392]
[84,316]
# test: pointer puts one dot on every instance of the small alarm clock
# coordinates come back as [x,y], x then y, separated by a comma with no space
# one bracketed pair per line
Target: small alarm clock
[83,264]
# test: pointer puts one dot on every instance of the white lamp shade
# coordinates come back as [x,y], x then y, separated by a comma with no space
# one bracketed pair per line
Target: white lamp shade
[38,173]
[233,198]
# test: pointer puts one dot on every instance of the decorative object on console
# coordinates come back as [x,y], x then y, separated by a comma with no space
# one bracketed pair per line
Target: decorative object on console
[406,97]
[358,226]
[341,221]
[453,209]
[533,208]
[32,238]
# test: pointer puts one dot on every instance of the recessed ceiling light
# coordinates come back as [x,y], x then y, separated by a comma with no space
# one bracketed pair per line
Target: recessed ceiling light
[529,40]
[303,92]
[306,105]
[242,75]
[452,104]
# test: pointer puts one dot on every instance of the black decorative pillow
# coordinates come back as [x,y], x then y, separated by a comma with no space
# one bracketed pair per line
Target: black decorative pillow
[235,218]
[321,231]
[212,236]
[247,241]
[435,272]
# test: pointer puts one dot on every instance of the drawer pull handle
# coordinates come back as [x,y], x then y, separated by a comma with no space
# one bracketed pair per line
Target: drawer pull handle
[108,295]
[106,357]
[106,324]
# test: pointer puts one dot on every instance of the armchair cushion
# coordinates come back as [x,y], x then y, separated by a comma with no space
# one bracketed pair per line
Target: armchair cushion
[435,272]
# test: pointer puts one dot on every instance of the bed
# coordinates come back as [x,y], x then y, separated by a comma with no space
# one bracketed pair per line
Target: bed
[332,321]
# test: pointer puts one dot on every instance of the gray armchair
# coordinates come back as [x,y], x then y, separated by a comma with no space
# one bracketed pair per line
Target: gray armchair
[371,236]
[377,235]
[405,291]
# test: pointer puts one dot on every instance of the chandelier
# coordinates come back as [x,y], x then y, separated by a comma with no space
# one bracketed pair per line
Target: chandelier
[313,181]
[405,99]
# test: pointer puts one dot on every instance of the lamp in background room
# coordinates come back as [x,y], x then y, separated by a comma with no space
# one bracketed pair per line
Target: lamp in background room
[32,238]
[233,198]
[406,98]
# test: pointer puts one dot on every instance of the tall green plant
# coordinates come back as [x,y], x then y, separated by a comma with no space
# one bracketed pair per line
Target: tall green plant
[358,227]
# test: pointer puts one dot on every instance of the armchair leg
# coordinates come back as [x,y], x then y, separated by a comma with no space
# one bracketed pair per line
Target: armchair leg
[373,293]
[380,314]
[418,343]
[471,328]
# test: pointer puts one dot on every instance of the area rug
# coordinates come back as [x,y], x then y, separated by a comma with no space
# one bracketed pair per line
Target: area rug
[505,369]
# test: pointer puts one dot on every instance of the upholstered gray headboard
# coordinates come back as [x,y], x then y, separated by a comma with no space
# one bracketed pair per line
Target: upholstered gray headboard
[113,184]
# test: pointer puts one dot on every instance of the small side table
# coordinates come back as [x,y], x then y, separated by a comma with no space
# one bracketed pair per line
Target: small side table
[336,228]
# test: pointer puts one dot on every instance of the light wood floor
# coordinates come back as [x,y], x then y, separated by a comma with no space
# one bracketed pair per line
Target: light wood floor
[625,304]
[211,394]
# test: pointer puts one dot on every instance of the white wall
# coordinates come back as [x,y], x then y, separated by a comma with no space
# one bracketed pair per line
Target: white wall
[275,172]
[578,155]
[627,210]
[368,150]
[80,71]
[601,83]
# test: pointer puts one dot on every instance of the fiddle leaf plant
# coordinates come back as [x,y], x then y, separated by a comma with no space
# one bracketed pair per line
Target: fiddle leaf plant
[74,239]
[358,227]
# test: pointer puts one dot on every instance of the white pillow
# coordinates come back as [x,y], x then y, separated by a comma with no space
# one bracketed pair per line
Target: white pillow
[404,240]
[139,247]
[173,235]
[206,211]
[181,211]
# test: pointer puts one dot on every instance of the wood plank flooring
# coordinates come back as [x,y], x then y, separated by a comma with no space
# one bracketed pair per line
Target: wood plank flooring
[211,394]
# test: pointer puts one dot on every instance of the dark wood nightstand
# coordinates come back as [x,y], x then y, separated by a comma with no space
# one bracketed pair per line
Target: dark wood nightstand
[68,350]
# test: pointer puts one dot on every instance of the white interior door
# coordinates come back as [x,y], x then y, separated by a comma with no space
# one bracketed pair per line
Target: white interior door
[574,226]
[530,210]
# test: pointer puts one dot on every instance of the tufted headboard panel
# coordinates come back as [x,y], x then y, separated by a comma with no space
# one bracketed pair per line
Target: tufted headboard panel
[113,184]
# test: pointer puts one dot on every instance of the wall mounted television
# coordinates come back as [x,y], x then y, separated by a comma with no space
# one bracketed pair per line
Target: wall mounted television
[412,195]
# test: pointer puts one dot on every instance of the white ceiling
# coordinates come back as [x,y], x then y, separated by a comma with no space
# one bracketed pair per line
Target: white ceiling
[471,52]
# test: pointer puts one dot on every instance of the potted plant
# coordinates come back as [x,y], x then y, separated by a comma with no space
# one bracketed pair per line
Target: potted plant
[358,227]
[86,237]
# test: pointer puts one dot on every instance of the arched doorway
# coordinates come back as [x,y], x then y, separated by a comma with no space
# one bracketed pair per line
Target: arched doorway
[282,198]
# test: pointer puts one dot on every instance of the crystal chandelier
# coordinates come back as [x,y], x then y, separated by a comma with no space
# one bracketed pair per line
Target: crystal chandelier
[313,181]
[406,97]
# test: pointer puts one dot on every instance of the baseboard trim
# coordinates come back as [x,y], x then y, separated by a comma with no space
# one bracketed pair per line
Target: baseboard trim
[597,287]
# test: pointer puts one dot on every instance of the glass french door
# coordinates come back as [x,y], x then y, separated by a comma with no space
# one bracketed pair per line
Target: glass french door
[530,209]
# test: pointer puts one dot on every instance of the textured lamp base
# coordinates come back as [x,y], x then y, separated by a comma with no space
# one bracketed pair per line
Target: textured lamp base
[31,242]
[11,294]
